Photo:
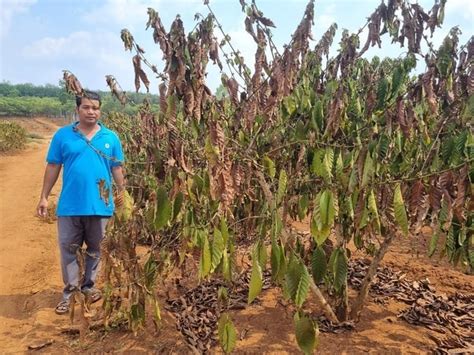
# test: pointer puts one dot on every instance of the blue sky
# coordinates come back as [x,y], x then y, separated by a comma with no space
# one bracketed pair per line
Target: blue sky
[40,38]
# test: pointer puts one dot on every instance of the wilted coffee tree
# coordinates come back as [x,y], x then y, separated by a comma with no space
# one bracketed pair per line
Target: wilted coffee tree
[366,151]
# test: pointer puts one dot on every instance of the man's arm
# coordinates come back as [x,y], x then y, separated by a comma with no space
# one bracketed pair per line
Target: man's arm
[51,175]
[119,179]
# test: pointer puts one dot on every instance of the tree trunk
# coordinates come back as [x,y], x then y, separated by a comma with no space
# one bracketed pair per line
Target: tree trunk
[364,290]
[322,301]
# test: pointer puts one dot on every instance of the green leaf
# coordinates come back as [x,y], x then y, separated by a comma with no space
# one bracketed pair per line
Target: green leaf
[318,115]
[155,307]
[150,271]
[289,105]
[277,225]
[227,333]
[409,62]
[261,253]
[328,161]
[317,162]
[372,206]
[163,209]
[324,207]
[303,204]
[433,243]
[256,281]
[339,269]
[306,332]
[460,143]
[224,231]
[212,153]
[269,166]
[397,80]
[353,181]
[445,214]
[275,260]
[318,265]
[399,209]
[124,211]
[339,166]
[150,213]
[137,316]
[226,266]
[384,143]
[471,259]
[297,281]
[206,258]
[450,245]
[178,202]
[292,277]
[447,149]
[319,230]
[218,248]
[327,210]
[364,219]
[303,285]
[197,185]
[282,182]
[368,170]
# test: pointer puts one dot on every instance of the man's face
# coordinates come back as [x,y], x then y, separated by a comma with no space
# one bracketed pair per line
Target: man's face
[89,111]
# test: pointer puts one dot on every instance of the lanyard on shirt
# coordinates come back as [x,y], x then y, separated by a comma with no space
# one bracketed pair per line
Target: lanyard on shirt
[98,151]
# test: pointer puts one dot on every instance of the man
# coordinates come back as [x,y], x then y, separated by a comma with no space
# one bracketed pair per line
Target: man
[91,154]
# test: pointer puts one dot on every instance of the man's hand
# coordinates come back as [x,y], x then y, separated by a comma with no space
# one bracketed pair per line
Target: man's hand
[42,209]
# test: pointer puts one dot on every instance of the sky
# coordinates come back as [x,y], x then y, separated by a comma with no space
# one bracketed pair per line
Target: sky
[41,38]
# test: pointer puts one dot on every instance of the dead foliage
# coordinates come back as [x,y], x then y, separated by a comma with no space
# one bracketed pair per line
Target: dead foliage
[451,315]
[198,310]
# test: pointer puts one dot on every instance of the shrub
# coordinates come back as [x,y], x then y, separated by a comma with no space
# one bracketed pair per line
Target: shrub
[12,136]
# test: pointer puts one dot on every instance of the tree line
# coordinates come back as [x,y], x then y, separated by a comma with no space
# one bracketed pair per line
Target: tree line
[53,101]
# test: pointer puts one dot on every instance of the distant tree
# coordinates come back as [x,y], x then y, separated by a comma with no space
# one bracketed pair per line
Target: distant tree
[221,92]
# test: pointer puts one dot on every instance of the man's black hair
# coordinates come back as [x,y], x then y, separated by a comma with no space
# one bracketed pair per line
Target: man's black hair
[91,95]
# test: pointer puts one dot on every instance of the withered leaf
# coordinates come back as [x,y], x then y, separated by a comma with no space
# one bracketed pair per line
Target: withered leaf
[140,74]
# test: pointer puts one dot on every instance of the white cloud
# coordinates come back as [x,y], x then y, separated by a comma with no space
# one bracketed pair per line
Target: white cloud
[324,21]
[93,54]
[128,13]
[124,12]
[80,45]
[8,9]
[464,8]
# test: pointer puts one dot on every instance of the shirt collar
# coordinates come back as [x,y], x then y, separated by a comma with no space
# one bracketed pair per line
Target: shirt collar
[76,130]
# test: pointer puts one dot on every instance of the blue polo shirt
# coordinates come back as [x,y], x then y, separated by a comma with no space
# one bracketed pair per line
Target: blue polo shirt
[87,170]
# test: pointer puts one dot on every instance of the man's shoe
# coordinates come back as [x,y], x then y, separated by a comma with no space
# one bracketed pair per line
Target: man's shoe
[92,294]
[62,307]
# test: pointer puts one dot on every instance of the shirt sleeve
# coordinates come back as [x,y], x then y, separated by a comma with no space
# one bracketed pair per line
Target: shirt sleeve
[55,155]
[117,153]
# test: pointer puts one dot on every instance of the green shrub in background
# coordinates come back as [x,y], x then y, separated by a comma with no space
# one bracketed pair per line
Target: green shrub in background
[12,136]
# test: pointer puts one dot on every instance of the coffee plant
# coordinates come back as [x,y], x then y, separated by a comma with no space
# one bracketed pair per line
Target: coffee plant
[366,151]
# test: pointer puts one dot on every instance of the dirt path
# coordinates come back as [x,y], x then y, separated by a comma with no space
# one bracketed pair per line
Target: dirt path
[29,269]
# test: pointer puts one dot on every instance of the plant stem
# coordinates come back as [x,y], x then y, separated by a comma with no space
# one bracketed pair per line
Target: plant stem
[364,290]
[322,300]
